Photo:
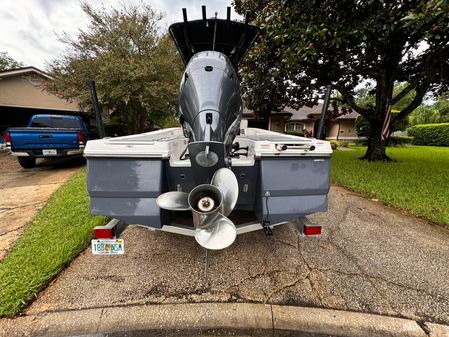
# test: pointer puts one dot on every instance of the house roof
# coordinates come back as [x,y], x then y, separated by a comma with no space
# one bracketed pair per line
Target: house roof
[312,113]
[247,113]
[23,71]
[22,88]
[303,114]
[351,115]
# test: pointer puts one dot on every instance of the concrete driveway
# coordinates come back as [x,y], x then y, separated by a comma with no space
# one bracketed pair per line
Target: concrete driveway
[371,258]
[24,192]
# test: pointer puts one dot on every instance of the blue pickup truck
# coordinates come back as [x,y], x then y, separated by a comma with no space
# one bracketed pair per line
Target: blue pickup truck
[47,136]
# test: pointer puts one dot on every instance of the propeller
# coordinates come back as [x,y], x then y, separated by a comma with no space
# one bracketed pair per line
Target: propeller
[224,179]
[219,235]
[210,205]
[174,201]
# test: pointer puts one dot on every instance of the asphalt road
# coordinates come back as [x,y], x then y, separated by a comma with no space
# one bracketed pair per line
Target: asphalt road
[25,191]
[371,258]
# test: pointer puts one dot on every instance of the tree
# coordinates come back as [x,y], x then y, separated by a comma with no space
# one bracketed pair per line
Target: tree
[264,86]
[438,112]
[365,100]
[137,69]
[348,44]
[7,62]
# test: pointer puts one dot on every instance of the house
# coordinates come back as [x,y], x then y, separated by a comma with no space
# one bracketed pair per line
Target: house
[22,95]
[276,122]
[305,120]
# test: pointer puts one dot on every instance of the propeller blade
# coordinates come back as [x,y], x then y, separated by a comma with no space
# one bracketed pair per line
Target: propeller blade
[173,201]
[219,235]
[225,180]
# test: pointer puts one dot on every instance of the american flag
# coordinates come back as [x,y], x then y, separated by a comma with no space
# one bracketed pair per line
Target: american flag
[386,127]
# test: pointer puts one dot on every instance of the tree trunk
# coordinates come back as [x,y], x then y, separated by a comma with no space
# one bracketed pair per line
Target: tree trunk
[376,146]
[135,117]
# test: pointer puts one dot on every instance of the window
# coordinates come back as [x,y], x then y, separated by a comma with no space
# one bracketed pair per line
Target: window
[41,122]
[295,127]
[65,123]
[55,122]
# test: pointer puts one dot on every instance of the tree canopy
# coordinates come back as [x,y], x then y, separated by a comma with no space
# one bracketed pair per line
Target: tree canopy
[136,68]
[306,45]
[7,62]
[437,112]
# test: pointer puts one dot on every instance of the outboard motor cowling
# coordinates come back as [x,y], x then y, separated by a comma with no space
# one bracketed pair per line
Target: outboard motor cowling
[210,103]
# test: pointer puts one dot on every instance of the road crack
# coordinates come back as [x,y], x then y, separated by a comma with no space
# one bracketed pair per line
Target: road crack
[14,230]
[313,286]
[37,203]
[284,287]
[99,320]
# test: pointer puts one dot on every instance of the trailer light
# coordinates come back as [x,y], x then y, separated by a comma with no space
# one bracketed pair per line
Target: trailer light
[80,137]
[7,137]
[312,230]
[104,233]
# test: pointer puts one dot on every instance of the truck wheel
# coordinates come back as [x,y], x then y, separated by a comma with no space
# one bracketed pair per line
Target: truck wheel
[27,162]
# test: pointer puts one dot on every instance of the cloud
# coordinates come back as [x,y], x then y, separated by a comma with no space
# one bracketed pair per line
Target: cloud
[8,16]
[29,32]
[173,9]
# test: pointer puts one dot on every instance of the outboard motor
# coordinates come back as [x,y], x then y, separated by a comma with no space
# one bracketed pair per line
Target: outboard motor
[210,107]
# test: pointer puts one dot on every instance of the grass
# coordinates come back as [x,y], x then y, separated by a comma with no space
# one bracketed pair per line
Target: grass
[418,180]
[59,232]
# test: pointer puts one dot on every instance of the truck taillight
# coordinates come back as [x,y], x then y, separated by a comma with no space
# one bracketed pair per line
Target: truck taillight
[80,137]
[7,137]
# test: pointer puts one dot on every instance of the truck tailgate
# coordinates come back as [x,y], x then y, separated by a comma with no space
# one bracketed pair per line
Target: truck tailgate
[41,138]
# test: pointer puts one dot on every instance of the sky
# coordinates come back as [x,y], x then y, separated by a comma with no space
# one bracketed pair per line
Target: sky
[29,28]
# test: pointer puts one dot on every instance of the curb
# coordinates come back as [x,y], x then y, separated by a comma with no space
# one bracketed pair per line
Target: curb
[216,316]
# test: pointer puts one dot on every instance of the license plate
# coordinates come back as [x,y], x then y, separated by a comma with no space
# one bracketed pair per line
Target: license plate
[108,247]
[51,152]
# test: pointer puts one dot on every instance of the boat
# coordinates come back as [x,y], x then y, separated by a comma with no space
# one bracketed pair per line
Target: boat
[213,177]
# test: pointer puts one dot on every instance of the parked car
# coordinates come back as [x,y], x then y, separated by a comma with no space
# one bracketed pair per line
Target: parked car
[47,136]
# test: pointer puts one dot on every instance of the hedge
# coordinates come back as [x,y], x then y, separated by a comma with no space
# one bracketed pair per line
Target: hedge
[392,141]
[430,134]
[364,129]
[400,140]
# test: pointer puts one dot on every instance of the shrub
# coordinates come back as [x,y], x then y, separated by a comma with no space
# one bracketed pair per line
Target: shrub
[364,129]
[430,134]
[362,126]
[400,141]
[334,144]
[392,141]
[116,128]
[361,142]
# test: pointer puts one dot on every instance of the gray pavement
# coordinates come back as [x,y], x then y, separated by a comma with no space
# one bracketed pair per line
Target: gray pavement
[25,191]
[215,319]
[371,258]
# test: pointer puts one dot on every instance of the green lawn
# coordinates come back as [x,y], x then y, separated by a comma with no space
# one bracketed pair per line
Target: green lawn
[59,232]
[418,181]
